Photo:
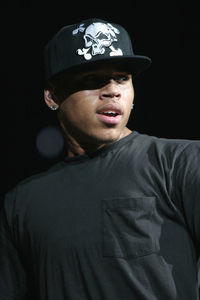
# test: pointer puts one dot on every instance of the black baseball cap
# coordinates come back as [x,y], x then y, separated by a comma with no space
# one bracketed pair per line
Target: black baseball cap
[90,42]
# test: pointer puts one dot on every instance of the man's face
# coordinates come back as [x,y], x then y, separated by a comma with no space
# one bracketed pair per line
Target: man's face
[97,105]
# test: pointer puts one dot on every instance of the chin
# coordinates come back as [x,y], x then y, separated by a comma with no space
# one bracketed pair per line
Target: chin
[109,135]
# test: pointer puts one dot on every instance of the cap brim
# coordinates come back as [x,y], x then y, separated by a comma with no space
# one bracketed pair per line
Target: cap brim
[135,64]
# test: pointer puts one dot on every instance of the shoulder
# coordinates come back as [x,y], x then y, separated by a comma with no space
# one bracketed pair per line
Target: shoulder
[33,187]
[157,151]
[166,145]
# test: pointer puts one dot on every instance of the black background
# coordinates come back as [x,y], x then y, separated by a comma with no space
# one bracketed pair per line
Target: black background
[166,95]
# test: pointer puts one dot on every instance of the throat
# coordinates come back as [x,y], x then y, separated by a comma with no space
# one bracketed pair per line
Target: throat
[77,149]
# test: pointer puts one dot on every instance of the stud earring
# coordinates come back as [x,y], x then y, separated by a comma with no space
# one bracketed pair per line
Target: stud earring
[53,107]
[132,106]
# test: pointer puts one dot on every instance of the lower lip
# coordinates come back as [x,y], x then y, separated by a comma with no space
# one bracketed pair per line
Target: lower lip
[109,120]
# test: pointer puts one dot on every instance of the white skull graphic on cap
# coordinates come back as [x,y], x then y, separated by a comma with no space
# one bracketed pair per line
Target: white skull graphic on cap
[97,37]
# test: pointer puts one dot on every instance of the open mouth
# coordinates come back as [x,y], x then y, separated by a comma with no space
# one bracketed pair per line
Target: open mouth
[109,116]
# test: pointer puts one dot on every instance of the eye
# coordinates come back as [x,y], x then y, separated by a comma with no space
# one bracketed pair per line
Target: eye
[92,81]
[121,77]
[102,36]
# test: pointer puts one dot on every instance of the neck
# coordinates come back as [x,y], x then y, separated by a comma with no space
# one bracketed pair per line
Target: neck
[77,147]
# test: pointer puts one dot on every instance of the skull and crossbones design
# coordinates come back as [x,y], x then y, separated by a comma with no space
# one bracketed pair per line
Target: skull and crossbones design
[97,37]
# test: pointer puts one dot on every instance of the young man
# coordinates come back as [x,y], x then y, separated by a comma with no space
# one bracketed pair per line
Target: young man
[119,217]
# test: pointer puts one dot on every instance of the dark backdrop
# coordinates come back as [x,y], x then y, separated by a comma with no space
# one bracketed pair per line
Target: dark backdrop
[166,95]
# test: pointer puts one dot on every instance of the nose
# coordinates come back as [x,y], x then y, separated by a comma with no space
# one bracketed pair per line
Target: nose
[110,91]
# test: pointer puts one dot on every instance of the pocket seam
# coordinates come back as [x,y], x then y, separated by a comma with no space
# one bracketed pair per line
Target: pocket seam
[112,205]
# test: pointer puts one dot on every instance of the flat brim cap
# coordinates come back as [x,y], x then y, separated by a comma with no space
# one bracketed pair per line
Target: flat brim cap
[88,43]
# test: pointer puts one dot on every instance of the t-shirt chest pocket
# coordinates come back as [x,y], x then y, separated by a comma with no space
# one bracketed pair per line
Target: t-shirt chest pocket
[131,227]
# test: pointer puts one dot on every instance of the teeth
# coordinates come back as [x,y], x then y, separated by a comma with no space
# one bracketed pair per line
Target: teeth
[110,112]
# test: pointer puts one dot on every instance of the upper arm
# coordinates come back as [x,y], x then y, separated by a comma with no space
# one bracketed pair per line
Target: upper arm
[12,273]
[187,187]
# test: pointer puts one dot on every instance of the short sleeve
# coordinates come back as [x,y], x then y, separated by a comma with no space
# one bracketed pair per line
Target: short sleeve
[12,274]
[187,188]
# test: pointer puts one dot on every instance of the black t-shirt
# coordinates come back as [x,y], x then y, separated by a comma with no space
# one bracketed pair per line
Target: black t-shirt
[122,223]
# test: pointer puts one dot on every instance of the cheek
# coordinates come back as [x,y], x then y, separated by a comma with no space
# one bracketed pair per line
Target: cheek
[78,106]
[128,98]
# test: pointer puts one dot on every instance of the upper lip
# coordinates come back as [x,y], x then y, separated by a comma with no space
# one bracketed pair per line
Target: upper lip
[110,107]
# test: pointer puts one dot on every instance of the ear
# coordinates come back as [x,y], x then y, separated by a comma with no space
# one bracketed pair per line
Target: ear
[49,100]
